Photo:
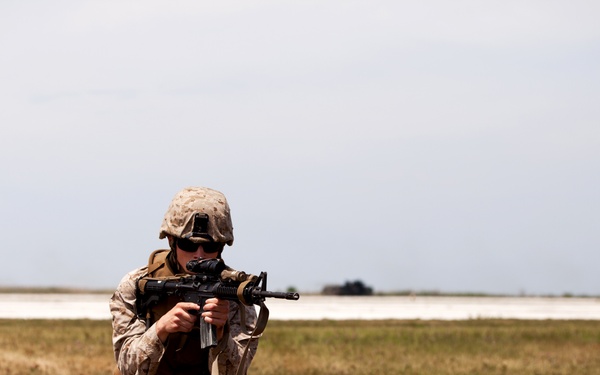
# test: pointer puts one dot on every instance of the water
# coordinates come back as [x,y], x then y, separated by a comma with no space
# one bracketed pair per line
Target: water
[95,306]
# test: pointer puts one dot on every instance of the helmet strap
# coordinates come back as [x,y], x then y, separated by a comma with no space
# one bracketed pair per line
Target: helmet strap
[172,262]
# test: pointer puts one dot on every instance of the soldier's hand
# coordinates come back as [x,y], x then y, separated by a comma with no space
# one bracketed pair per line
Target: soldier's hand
[180,318]
[216,312]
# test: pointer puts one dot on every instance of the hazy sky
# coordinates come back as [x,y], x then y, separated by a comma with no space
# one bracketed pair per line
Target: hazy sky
[430,145]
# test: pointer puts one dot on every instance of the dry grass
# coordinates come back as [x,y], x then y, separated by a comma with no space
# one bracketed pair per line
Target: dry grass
[55,347]
[63,347]
[436,347]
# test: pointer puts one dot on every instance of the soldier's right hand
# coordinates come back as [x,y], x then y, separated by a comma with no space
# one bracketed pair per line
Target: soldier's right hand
[181,318]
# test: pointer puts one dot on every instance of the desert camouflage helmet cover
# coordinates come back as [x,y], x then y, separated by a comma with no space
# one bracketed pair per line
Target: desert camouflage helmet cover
[180,216]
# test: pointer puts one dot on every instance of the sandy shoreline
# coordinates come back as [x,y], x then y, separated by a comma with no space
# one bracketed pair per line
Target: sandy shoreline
[95,306]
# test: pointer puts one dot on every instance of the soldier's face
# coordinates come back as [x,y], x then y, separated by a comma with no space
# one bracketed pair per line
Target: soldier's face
[185,256]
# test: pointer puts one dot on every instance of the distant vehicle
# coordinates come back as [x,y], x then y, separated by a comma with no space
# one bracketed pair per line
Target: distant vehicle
[354,288]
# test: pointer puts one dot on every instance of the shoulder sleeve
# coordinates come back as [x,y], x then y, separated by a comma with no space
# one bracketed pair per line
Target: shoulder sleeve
[137,350]
[228,354]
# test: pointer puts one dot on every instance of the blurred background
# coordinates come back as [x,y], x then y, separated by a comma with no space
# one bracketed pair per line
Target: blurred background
[431,145]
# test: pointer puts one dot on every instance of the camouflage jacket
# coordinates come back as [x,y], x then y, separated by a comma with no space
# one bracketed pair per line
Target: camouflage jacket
[138,350]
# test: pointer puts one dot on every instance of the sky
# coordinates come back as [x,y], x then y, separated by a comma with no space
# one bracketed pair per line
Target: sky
[425,146]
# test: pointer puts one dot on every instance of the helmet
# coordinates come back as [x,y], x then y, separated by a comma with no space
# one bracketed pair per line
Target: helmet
[199,214]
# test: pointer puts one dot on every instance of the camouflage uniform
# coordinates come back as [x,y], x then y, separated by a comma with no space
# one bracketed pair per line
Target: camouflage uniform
[138,350]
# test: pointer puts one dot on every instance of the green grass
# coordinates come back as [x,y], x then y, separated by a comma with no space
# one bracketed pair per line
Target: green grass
[66,347]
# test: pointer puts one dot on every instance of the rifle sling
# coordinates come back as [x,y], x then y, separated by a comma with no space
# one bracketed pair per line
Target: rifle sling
[261,324]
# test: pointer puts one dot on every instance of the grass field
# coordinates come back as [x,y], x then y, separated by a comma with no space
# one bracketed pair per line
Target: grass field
[69,347]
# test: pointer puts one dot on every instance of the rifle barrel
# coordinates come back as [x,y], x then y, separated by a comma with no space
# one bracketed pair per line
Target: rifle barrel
[283,295]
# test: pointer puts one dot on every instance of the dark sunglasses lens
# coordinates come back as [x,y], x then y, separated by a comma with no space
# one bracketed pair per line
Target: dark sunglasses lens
[187,245]
[213,247]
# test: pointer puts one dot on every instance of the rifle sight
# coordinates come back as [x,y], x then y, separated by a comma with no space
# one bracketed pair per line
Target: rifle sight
[211,266]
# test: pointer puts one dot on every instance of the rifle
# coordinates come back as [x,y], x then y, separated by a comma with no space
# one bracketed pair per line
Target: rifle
[211,278]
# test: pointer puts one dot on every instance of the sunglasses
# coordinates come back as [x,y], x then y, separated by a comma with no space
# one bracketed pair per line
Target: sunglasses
[191,247]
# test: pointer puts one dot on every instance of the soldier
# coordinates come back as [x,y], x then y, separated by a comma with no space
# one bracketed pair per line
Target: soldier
[197,224]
